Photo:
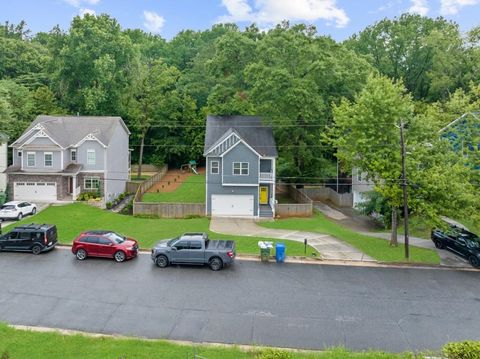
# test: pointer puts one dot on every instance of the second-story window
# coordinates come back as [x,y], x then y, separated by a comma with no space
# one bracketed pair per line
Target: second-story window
[31,159]
[240,168]
[73,155]
[91,160]
[214,168]
[48,159]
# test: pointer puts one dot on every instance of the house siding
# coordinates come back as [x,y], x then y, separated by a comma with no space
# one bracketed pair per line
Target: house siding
[99,155]
[40,161]
[116,175]
[240,153]
[3,166]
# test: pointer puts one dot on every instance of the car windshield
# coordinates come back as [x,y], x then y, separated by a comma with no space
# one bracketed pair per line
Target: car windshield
[115,237]
[7,207]
[171,241]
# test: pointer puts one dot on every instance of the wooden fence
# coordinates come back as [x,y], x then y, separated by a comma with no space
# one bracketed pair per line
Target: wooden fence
[328,194]
[164,210]
[302,208]
[132,187]
[169,210]
[147,184]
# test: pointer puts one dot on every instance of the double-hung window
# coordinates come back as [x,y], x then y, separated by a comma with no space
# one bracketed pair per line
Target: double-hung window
[91,159]
[214,167]
[240,168]
[30,159]
[48,159]
[73,154]
[91,183]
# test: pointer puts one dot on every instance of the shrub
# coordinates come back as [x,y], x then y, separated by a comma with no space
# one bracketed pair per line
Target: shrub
[462,350]
[3,198]
[108,205]
[274,354]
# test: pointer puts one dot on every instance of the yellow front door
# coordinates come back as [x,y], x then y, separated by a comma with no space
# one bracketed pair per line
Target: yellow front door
[263,195]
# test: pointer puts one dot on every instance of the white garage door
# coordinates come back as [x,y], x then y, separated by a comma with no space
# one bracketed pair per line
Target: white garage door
[35,191]
[232,205]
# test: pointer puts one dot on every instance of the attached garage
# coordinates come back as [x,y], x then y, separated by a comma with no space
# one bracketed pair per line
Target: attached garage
[232,205]
[35,191]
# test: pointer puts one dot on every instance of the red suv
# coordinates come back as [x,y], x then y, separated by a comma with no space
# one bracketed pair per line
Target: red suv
[104,244]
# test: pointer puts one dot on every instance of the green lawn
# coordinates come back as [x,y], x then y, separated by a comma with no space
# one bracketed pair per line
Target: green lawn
[374,247]
[74,218]
[25,344]
[190,191]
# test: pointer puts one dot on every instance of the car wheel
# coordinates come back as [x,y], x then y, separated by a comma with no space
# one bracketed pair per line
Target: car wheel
[439,244]
[20,216]
[216,264]
[81,254]
[36,249]
[34,210]
[119,256]
[161,261]
[474,261]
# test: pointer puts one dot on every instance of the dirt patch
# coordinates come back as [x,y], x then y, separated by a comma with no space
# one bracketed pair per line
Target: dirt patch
[172,180]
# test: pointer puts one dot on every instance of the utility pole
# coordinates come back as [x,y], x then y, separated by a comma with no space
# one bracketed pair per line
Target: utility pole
[404,186]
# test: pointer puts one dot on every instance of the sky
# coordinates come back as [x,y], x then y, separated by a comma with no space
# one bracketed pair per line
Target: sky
[337,18]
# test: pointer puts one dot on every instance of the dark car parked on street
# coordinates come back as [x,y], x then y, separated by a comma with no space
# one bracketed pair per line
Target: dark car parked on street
[195,249]
[460,241]
[35,238]
[106,244]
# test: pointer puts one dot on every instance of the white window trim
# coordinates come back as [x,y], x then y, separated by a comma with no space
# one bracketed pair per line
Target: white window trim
[34,159]
[94,157]
[73,151]
[217,167]
[91,178]
[241,168]
[45,159]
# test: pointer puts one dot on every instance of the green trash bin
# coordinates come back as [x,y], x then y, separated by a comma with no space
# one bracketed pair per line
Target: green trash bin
[265,248]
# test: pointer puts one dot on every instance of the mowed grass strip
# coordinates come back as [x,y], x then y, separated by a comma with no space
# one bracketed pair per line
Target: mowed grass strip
[192,190]
[26,344]
[74,218]
[376,248]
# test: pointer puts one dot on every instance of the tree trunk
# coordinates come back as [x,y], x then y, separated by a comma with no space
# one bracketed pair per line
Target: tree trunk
[393,238]
[140,157]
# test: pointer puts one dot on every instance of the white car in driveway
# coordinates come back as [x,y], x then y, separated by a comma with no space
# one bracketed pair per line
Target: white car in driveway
[17,210]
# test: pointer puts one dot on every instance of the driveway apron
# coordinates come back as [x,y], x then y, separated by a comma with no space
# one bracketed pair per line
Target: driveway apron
[328,246]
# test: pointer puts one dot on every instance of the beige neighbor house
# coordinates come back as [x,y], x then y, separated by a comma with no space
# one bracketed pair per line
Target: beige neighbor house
[3,161]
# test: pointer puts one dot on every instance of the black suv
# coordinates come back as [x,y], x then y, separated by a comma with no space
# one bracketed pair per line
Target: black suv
[460,241]
[35,238]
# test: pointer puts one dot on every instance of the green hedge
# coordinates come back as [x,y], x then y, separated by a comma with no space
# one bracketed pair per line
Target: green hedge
[462,350]
[3,198]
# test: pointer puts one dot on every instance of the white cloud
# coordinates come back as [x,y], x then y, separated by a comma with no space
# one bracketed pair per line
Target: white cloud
[274,11]
[78,3]
[451,7]
[83,12]
[153,21]
[419,7]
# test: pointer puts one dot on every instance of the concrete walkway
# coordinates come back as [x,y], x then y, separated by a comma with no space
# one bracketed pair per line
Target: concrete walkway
[327,246]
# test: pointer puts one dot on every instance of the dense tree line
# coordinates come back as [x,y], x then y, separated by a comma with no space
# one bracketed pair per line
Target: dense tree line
[306,85]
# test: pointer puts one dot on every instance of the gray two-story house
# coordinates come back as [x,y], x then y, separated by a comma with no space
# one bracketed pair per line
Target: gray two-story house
[58,157]
[240,167]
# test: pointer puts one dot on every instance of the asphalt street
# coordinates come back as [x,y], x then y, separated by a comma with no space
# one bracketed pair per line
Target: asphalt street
[289,305]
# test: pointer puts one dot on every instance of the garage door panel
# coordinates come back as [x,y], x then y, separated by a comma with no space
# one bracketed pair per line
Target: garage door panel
[232,205]
[35,191]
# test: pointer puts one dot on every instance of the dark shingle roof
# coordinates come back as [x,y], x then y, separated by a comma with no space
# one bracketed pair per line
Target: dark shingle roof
[69,130]
[249,128]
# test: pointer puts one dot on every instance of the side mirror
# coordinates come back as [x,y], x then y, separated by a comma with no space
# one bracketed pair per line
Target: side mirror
[174,248]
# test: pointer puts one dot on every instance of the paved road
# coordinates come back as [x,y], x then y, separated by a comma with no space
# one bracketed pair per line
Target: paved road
[290,305]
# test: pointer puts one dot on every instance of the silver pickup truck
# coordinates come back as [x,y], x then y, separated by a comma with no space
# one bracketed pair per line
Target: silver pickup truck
[194,248]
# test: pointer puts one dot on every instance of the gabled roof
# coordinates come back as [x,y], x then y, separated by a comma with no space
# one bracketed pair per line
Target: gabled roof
[249,128]
[70,130]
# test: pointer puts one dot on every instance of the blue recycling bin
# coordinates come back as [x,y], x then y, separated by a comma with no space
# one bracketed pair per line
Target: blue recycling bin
[280,252]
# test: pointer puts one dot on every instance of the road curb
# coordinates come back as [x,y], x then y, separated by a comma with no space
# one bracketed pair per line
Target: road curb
[330,262]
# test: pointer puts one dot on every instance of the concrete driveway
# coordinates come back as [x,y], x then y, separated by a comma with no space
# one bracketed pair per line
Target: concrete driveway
[329,247]
[40,207]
